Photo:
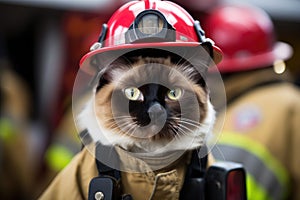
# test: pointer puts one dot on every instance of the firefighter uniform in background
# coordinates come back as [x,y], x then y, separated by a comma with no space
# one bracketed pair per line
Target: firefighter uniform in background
[64,146]
[262,124]
[16,164]
[73,181]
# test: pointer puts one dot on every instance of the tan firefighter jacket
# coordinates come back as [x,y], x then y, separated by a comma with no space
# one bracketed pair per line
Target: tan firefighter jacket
[73,181]
[262,130]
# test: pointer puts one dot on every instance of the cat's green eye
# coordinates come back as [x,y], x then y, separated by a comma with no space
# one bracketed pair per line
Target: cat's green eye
[133,94]
[174,94]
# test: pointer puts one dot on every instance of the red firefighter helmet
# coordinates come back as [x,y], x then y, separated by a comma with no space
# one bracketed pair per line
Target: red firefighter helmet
[149,24]
[246,36]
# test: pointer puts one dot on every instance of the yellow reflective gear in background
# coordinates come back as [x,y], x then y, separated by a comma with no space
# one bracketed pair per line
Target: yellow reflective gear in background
[58,156]
[7,130]
[266,177]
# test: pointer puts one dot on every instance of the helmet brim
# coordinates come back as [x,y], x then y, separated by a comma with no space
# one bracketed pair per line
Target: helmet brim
[280,51]
[86,62]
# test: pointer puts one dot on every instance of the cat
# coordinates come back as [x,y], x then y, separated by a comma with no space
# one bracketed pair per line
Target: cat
[151,105]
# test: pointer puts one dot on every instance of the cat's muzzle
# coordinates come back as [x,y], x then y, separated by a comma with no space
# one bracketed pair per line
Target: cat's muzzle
[157,114]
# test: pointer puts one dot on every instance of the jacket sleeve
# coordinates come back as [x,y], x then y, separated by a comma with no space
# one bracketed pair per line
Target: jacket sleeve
[295,149]
[73,181]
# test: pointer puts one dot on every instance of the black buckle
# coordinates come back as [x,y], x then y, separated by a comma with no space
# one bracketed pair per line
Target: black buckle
[103,187]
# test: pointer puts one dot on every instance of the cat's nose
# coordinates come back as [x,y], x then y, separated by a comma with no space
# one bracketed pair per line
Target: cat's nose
[157,113]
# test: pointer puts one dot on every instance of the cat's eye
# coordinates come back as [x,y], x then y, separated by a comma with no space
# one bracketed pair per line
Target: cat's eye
[133,94]
[174,94]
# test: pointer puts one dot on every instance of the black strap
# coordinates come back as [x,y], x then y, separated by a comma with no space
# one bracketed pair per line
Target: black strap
[102,168]
[103,187]
[107,184]
[197,166]
[107,180]
[193,186]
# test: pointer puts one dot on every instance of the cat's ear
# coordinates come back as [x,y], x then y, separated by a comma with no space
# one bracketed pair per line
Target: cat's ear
[199,73]
[103,80]
[200,79]
[194,73]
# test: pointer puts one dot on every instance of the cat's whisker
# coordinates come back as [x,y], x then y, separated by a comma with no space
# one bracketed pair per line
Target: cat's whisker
[185,127]
[125,127]
[184,115]
[118,123]
[133,128]
[118,117]
[128,120]
[113,127]
[176,129]
[130,128]
[192,123]
[179,133]
[182,131]
[189,124]
[118,126]
[201,124]
[121,117]
[173,127]
[189,120]
[174,117]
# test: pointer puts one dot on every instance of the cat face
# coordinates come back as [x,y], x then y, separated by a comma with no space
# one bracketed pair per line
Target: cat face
[153,104]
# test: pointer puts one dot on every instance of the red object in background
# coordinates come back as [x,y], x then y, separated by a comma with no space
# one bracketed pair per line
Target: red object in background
[198,5]
[246,36]
[235,185]
[225,181]
[81,30]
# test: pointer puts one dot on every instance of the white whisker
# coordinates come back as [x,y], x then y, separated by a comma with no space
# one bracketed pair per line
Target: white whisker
[133,127]
[193,121]
[189,123]
[182,126]
[186,120]
[118,118]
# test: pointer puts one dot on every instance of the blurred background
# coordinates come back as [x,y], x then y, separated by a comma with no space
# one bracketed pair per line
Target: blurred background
[41,43]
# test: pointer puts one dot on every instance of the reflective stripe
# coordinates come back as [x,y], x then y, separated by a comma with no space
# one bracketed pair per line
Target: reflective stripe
[254,190]
[57,157]
[7,130]
[266,179]
[266,171]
